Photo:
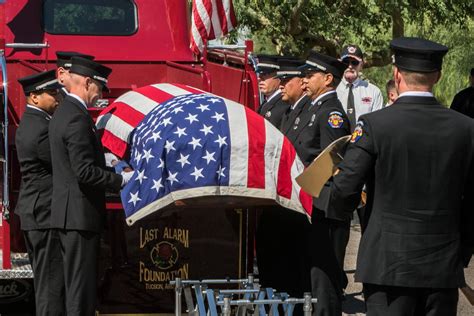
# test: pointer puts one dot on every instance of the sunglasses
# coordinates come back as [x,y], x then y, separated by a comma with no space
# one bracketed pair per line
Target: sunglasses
[352,62]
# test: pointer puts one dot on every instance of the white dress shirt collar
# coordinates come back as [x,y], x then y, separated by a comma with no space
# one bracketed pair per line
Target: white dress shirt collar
[416,94]
[273,95]
[296,103]
[38,109]
[78,99]
[354,84]
[322,96]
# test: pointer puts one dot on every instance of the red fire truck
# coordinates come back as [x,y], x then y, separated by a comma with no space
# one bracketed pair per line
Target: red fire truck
[144,42]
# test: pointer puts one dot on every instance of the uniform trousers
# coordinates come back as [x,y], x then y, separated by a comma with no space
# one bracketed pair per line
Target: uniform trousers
[384,300]
[325,271]
[44,252]
[79,251]
[339,232]
[280,250]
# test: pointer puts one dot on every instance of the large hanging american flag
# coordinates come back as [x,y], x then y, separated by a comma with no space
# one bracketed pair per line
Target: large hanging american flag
[210,19]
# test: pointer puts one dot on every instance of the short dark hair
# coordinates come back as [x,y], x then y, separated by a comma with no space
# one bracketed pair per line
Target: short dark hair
[390,86]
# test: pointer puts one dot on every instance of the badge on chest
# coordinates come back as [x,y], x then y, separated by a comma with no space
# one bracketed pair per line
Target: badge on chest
[268,114]
[366,100]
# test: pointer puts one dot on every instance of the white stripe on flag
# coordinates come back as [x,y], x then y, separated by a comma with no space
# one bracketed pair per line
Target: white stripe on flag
[117,127]
[138,102]
[170,89]
[204,15]
[272,155]
[196,36]
[227,7]
[296,169]
[239,152]
[216,23]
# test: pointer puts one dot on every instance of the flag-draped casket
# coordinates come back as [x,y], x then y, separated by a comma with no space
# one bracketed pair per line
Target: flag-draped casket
[184,143]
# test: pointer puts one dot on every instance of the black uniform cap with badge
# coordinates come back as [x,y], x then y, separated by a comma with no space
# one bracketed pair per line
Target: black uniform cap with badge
[317,62]
[267,65]
[64,58]
[41,82]
[417,54]
[289,68]
[91,69]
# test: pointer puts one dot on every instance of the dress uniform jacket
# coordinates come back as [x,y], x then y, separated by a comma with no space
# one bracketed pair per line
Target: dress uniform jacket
[274,110]
[80,181]
[291,114]
[317,126]
[417,158]
[463,102]
[32,143]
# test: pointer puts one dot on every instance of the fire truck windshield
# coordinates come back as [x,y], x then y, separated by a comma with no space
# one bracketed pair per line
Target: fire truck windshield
[90,17]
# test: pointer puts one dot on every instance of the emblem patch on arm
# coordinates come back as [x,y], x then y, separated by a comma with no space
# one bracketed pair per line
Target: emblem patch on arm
[335,119]
[358,131]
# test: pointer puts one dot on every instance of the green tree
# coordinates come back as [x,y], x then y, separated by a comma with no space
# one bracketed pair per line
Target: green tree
[297,26]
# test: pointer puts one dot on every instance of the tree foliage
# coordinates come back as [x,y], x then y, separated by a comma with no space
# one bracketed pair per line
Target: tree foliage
[296,26]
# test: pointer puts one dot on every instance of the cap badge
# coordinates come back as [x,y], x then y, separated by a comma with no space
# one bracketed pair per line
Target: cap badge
[393,59]
[335,119]
[351,49]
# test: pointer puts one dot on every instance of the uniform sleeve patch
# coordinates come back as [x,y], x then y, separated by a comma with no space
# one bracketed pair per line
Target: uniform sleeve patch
[335,119]
[358,132]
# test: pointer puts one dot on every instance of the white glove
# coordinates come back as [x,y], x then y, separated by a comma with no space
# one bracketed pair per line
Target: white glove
[109,158]
[126,176]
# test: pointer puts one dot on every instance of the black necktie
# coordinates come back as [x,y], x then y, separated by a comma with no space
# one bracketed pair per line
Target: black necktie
[351,112]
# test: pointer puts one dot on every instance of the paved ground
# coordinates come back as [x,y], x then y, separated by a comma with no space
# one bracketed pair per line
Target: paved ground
[354,303]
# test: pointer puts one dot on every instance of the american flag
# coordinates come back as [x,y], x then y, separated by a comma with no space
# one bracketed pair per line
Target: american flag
[195,145]
[117,121]
[210,19]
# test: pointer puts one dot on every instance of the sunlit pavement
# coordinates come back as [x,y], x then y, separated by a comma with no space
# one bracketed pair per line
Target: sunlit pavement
[354,303]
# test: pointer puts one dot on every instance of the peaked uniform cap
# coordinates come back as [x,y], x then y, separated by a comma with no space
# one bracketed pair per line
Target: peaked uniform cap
[318,62]
[289,67]
[40,82]
[92,69]
[417,54]
[267,64]
[64,58]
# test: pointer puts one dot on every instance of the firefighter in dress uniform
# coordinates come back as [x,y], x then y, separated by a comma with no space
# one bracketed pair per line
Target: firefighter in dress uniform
[63,64]
[417,160]
[274,107]
[321,122]
[34,201]
[280,231]
[79,183]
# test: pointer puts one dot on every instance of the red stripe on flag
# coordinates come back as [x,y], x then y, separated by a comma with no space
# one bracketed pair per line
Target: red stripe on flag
[127,113]
[307,201]
[156,94]
[284,184]
[256,148]
[222,16]
[233,18]
[114,144]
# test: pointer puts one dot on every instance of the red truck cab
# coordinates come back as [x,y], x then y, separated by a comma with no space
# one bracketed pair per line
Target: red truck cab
[144,42]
